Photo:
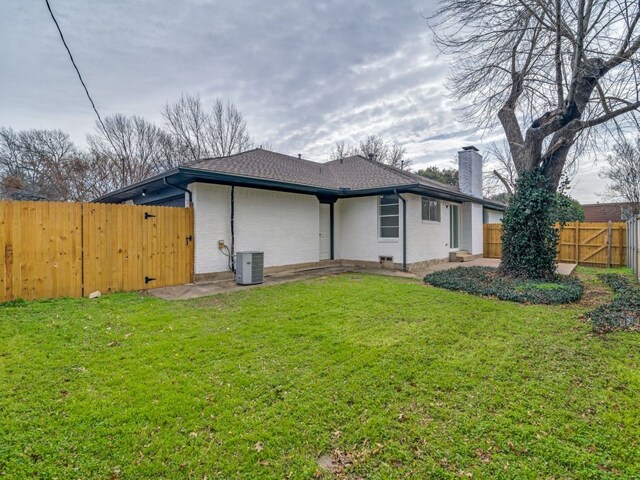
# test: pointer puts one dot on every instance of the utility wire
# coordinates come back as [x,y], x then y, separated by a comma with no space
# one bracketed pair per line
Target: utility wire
[86,90]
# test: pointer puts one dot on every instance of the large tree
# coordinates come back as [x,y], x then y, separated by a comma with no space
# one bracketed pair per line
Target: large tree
[548,72]
[198,133]
[129,149]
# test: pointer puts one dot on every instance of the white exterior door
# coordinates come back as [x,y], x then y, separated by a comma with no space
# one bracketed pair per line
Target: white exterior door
[325,232]
[454,227]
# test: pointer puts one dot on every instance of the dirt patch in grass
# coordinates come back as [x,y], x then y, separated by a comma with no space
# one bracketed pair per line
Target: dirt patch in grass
[595,292]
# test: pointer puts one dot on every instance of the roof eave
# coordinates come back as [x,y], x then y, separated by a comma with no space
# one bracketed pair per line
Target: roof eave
[188,175]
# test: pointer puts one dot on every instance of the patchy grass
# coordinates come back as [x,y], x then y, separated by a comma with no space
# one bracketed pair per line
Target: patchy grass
[378,377]
[486,281]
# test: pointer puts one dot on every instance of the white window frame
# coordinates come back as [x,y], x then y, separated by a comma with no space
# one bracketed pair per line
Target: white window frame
[439,210]
[397,215]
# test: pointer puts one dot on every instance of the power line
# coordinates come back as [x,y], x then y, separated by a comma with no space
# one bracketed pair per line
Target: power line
[86,90]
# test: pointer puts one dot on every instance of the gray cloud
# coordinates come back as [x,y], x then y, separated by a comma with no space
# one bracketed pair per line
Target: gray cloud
[305,74]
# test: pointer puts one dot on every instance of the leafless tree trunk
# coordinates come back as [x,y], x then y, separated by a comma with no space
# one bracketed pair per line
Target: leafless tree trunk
[547,71]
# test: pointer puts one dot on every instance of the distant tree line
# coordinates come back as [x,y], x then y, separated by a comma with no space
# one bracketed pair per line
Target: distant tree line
[47,165]
[376,147]
[622,170]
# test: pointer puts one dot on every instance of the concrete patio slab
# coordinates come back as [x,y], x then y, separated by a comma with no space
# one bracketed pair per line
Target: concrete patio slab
[204,289]
[562,268]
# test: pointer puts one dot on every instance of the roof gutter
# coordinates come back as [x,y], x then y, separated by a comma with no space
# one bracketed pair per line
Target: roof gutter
[186,190]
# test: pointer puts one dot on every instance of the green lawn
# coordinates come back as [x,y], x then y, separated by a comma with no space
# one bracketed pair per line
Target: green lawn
[392,378]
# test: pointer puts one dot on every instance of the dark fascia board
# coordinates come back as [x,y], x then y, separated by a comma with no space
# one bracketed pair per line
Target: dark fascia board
[135,189]
[423,191]
[255,182]
[184,176]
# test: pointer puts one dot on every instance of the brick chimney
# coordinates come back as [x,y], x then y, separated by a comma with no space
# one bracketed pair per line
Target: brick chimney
[470,171]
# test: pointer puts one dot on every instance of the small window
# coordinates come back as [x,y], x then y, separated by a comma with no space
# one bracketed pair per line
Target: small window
[430,209]
[388,217]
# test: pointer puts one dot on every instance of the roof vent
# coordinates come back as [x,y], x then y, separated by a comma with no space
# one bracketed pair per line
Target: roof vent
[370,156]
[300,155]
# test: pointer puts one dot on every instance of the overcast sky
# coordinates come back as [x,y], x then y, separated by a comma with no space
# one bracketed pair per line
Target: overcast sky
[303,73]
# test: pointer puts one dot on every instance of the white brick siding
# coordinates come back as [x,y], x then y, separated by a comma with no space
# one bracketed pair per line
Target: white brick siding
[357,232]
[492,216]
[470,173]
[471,239]
[285,226]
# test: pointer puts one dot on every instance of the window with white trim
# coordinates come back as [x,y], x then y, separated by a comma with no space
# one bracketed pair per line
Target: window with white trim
[388,216]
[430,209]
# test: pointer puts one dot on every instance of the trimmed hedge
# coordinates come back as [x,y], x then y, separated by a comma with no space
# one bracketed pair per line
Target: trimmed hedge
[486,281]
[623,313]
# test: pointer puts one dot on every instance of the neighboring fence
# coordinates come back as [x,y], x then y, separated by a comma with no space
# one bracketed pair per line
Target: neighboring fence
[633,247]
[597,244]
[56,249]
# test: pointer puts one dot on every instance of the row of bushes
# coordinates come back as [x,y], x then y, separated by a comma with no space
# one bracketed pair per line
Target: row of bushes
[488,282]
[624,311]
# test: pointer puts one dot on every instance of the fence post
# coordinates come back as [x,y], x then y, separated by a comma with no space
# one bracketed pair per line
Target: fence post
[579,233]
[609,244]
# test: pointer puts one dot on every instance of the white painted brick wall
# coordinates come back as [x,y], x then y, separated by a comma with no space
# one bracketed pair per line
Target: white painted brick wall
[472,232]
[492,216]
[285,226]
[470,173]
[358,231]
[211,218]
[426,240]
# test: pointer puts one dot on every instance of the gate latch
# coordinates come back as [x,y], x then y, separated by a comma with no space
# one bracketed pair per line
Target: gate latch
[148,215]
[148,279]
[189,238]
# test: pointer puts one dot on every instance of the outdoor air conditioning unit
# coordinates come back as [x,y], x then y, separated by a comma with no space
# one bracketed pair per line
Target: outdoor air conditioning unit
[249,268]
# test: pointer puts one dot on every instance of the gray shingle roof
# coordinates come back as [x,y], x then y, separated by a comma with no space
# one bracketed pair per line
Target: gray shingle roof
[353,173]
[258,168]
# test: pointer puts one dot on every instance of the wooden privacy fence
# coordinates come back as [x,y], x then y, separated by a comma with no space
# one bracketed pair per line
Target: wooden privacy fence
[597,244]
[51,249]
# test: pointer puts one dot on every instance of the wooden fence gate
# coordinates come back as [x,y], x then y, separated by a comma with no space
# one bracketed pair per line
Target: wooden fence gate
[53,249]
[597,244]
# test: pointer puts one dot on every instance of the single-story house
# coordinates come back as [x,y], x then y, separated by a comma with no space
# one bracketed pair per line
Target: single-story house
[299,212]
[609,212]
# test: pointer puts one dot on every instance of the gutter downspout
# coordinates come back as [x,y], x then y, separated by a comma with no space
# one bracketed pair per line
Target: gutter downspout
[186,190]
[232,225]
[404,230]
